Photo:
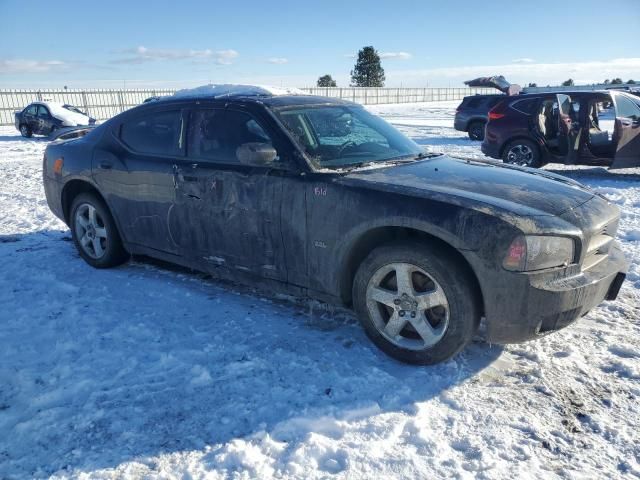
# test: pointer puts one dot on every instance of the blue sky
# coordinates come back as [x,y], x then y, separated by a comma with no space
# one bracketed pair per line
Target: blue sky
[423,43]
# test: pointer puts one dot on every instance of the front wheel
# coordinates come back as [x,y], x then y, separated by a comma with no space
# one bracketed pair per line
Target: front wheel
[416,303]
[94,232]
[26,131]
[522,152]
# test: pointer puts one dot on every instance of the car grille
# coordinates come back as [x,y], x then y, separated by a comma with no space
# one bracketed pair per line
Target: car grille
[599,244]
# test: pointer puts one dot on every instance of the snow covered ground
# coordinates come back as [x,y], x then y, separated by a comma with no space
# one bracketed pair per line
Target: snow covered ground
[144,371]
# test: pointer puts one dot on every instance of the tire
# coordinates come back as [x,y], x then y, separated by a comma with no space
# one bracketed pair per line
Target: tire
[96,237]
[476,131]
[439,279]
[25,131]
[522,152]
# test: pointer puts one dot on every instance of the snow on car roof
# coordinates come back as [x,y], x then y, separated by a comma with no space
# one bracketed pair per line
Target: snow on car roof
[58,110]
[229,89]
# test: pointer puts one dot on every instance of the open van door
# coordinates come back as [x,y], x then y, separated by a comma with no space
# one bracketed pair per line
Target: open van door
[567,134]
[627,131]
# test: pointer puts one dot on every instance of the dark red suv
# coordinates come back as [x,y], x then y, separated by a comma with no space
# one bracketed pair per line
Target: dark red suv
[582,127]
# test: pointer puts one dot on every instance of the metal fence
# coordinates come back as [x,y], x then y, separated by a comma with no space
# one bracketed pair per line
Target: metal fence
[100,104]
[378,96]
[104,104]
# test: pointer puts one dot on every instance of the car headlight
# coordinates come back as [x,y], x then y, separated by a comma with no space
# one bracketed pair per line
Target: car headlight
[537,252]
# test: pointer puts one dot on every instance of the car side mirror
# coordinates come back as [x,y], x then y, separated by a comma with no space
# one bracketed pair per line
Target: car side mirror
[256,153]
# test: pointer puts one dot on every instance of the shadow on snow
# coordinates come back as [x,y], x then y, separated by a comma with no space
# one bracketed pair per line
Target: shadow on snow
[100,367]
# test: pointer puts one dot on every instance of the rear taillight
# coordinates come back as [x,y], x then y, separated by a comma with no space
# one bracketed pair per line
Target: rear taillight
[495,116]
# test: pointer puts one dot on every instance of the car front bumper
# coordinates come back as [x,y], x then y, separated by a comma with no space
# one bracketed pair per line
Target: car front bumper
[535,304]
[53,194]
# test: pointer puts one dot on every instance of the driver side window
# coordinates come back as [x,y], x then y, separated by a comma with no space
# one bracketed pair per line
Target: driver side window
[217,134]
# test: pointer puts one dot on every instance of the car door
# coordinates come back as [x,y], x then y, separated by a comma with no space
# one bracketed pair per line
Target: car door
[228,212]
[564,123]
[30,116]
[627,132]
[43,121]
[133,167]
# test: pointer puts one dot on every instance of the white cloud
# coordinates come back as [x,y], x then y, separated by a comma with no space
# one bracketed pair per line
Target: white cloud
[143,54]
[541,73]
[8,67]
[523,60]
[395,55]
[277,60]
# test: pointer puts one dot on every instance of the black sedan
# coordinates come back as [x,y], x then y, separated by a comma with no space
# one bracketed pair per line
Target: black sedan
[317,197]
[50,118]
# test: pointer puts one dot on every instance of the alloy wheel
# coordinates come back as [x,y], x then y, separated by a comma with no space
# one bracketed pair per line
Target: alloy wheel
[520,155]
[408,306]
[91,231]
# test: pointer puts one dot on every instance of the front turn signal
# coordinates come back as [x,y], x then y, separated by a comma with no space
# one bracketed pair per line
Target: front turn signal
[57,165]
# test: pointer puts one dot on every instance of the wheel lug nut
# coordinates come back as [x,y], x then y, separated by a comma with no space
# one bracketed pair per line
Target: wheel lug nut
[397,301]
[413,314]
[401,313]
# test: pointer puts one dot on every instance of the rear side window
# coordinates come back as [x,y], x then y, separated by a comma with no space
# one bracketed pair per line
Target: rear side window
[42,111]
[31,109]
[473,102]
[527,106]
[155,133]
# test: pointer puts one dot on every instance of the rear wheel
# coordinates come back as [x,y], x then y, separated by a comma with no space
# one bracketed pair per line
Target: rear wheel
[416,303]
[522,152]
[94,232]
[476,131]
[25,131]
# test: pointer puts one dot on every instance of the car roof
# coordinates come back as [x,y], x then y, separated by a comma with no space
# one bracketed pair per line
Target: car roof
[569,92]
[275,101]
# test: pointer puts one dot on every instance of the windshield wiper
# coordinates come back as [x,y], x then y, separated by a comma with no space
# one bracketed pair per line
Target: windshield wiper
[390,162]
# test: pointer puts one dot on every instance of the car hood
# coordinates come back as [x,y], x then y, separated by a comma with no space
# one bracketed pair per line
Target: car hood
[478,185]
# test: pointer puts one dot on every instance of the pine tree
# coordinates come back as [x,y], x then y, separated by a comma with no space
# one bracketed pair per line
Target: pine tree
[631,81]
[326,81]
[368,71]
[616,81]
[568,83]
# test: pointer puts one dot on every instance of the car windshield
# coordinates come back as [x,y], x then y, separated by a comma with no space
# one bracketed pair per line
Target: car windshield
[630,97]
[338,136]
[73,109]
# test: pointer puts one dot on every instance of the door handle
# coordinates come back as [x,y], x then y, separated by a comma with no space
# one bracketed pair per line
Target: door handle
[105,165]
